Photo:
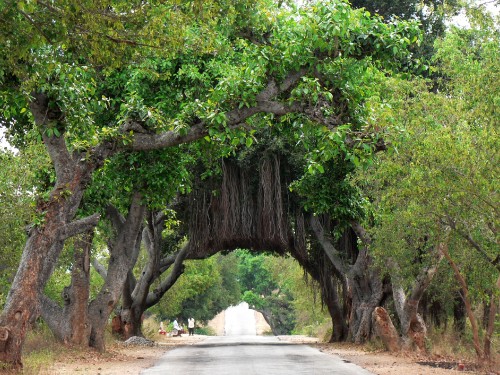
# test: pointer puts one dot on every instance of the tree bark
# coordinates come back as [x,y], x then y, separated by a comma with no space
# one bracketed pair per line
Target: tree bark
[363,284]
[45,239]
[468,306]
[413,328]
[340,330]
[80,289]
[366,288]
[70,322]
[385,329]
[123,256]
[328,284]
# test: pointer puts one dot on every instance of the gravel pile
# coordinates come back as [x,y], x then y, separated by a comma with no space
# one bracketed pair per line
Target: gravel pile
[139,341]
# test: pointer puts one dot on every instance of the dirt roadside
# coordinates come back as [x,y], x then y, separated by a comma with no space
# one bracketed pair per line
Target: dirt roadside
[121,359]
[132,360]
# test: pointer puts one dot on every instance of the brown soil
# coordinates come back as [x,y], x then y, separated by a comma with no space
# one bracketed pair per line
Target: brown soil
[132,359]
[120,359]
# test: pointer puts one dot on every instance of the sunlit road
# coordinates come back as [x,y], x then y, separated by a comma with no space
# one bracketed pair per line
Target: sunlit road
[241,352]
[240,321]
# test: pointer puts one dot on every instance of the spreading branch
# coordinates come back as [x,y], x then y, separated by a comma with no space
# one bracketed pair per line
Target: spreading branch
[234,118]
[166,284]
[79,226]
[361,232]
[101,270]
[326,244]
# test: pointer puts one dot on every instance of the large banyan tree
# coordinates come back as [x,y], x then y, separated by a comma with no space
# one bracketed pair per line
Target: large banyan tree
[250,206]
[167,75]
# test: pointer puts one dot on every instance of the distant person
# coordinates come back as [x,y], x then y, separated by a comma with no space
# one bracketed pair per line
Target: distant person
[191,326]
[162,330]
[177,328]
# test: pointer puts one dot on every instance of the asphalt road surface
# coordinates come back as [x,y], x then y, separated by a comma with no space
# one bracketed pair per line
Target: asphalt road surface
[242,352]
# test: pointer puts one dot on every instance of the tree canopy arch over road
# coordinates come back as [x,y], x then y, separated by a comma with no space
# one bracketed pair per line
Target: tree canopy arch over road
[250,206]
[83,79]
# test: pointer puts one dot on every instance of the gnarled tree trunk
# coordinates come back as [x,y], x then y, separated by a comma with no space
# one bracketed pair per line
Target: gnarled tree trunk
[123,256]
[366,288]
[327,280]
[385,329]
[137,297]
[340,330]
[70,322]
[45,240]
[413,328]
[142,298]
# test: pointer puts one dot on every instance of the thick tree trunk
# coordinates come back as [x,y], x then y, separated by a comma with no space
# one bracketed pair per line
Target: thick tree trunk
[468,306]
[363,285]
[136,295]
[413,328]
[141,299]
[367,293]
[80,290]
[70,322]
[332,301]
[55,317]
[385,329]
[131,311]
[366,288]
[42,249]
[328,285]
[123,256]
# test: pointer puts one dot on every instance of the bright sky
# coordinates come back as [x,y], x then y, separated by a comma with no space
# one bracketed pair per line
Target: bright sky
[3,142]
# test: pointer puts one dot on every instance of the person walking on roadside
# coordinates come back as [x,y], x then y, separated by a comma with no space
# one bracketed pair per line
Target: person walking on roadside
[191,326]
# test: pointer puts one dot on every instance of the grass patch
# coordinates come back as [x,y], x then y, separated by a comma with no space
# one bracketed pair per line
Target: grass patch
[37,362]
[207,331]
[40,350]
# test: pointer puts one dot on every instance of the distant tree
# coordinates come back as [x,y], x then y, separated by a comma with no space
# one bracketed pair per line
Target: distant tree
[225,292]
[264,293]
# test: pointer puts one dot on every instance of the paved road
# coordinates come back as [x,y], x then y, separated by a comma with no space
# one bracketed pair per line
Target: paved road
[242,352]
[251,355]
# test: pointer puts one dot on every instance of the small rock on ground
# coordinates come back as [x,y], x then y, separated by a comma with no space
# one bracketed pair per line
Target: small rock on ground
[139,341]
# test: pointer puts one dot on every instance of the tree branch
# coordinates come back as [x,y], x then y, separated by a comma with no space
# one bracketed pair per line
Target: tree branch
[56,146]
[79,226]
[101,270]
[177,270]
[115,217]
[361,232]
[167,261]
[143,142]
[473,244]
[327,246]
